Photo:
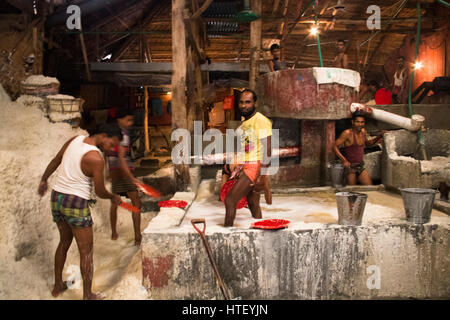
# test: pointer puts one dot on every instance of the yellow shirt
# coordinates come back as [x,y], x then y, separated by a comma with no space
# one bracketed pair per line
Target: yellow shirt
[253,130]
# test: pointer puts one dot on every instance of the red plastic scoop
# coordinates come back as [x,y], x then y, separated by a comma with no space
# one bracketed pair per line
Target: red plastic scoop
[129,207]
[226,189]
[271,224]
[150,191]
[173,204]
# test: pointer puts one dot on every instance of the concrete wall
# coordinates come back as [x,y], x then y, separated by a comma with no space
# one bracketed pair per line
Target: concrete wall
[328,263]
[400,169]
[294,93]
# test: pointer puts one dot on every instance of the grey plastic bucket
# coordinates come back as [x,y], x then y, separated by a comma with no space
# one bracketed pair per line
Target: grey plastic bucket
[337,175]
[418,204]
[350,207]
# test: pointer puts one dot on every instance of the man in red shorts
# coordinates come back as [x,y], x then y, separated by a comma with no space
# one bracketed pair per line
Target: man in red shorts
[255,137]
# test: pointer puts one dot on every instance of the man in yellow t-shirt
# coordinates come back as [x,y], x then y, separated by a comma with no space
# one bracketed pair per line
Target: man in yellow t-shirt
[255,135]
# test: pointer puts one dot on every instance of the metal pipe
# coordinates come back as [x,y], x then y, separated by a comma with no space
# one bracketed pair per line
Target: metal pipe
[412,124]
[221,158]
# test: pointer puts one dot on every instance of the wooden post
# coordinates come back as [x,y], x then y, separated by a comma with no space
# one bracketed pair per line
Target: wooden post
[255,44]
[85,56]
[97,49]
[147,141]
[35,49]
[179,115]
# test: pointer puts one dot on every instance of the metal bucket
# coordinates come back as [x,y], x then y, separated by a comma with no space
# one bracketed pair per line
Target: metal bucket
[350,206]
[337,175]
[418,204]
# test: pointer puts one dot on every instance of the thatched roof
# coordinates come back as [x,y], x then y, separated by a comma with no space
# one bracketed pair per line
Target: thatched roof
[140,30]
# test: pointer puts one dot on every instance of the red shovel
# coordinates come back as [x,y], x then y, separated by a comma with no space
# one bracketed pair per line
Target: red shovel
[129,207]
[150,191]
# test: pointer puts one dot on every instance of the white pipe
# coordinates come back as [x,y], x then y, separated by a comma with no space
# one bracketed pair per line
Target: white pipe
[412,124]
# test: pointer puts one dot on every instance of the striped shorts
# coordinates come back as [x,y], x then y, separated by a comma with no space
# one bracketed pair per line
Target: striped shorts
[71,209]
[122,186]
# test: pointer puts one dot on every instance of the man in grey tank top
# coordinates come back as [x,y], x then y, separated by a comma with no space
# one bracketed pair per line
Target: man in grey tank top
[71,212]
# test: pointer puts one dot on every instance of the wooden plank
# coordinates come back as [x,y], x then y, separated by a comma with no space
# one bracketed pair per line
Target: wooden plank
[255,44]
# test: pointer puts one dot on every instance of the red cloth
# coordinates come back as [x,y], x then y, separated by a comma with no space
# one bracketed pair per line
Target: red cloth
[112,112]
[383,96]
[228,103]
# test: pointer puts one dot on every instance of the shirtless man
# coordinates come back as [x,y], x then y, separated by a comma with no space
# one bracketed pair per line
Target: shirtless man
[257,133]
[341,60]
[354,140]
[400,82]
[81,163]
[276,63]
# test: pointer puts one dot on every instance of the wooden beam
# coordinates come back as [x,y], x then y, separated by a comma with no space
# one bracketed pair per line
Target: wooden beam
[276,5]
[192,32]
[282,30]
[179,114]
[300,16]
[146,136]
[146,18]
[110,19]
[85,56]
[117,17]
[255,44]
[202,9]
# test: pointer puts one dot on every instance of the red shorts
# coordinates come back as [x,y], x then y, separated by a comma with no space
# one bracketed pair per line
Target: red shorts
[252,170]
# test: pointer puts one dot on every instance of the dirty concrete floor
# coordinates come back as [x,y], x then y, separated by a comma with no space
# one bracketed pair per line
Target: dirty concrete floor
[305,211]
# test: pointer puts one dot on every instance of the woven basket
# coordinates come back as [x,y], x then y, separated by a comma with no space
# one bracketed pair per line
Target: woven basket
[65,105]
[39,90]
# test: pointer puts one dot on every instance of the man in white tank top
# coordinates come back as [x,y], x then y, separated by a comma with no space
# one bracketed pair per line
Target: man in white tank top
[400,81]
[80,163]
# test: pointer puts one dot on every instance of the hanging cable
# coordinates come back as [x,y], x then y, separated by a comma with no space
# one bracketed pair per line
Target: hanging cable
[444,3]
[318,37]
[416,54]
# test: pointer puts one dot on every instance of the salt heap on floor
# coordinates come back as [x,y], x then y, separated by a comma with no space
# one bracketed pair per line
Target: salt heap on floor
[28,237]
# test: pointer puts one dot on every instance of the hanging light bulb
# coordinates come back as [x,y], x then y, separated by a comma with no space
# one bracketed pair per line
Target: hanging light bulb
[314,30]
[418,65]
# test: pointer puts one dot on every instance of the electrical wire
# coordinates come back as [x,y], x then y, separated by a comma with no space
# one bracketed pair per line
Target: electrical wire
[416,54]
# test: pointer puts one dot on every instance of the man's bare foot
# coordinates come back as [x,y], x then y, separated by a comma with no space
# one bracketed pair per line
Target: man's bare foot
[114,236]
[94,296]
[59,288]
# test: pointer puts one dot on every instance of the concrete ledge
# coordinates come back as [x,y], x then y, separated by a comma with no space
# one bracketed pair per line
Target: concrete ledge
[333,263]
[358,188]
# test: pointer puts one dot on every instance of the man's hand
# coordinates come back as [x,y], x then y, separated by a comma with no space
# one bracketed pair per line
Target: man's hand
[136,181]
[43,186]
[236,172]
[116,200]
[346,164]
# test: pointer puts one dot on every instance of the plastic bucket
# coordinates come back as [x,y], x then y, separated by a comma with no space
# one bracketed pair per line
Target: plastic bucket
[350,206]
[418,204]
[337,175]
